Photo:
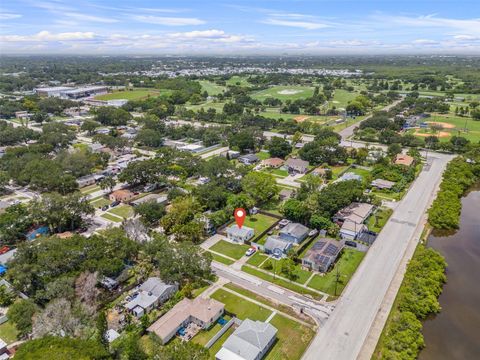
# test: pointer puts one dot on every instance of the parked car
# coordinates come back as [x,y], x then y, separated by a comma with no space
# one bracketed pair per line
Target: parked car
[250,251]
[104,207]
[313,233]
[115,203]
[351,243]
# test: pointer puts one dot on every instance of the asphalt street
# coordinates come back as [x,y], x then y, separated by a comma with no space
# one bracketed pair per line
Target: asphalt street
[346,329]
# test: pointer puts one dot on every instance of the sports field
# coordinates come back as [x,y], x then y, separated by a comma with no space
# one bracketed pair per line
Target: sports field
[211,88]
[284,93]
[452,125]
[135,94]
[342,97]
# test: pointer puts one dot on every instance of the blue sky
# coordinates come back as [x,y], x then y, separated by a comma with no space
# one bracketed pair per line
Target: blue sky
[240,27]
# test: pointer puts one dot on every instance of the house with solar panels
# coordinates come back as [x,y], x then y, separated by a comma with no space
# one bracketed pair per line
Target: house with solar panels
[321,256]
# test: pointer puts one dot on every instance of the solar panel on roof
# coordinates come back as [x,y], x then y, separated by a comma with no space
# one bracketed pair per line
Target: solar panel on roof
[318,245]
[331,250]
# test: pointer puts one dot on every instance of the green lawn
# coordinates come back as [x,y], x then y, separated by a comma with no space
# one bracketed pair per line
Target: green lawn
[211,88]
[218,344]
[205,335]
[124,211]
[100,202]
[347,264]
[293,339]
[277,172]
[280,282]
[8,332]
[242,308]
[222,259]
[218,106]
[342,97]
[292,92]
[111,217]
[303,275]
[378,220]
[135,94]
[235,251]
[238,80]
[263,155]
[90,189]
[337,170]
[259,222]
[257,259]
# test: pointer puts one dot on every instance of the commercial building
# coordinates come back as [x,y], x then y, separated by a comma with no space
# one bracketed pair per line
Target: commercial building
[67,92]
[250,341]
[200,311]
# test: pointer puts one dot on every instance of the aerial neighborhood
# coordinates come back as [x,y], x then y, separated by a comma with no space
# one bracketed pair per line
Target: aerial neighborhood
[120,179]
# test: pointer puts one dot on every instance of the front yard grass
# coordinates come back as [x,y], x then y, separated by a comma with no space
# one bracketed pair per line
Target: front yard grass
[302,275]
[235,251]
[124,211]
[283,283]
[347,265]
[222,259]
[293,339]
[90,189]
[242,308]
[111,217]
[8,332]
[257,259]
[100,202]
[378,220]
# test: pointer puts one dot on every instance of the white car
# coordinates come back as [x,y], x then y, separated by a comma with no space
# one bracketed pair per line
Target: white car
[250,251]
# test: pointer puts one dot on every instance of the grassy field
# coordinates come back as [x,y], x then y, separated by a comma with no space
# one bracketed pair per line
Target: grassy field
[238,80]
[473,127]
[211,88]
[99,202]
[135,94]
[341,98]
[8,332]
[235,251]
[347,264]
[302,275]
[378,220]
[90,189]
[280,282]
[257,259]
[124,211]
[111,217]
[242,308]
[218,106]
[293,339]
[283,93]
[222,259]
[259,222]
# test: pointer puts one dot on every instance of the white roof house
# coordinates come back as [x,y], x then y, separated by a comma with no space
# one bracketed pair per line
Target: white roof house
[236,234]
[152,293]
[250,341]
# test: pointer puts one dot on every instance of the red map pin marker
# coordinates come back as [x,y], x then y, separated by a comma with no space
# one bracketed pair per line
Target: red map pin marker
[240,215]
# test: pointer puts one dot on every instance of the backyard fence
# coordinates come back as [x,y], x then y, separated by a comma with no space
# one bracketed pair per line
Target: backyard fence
[222,331]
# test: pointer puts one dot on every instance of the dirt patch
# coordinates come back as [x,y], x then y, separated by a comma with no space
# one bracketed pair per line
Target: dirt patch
[300,118]
[289,92]
[442,124]
[440,134]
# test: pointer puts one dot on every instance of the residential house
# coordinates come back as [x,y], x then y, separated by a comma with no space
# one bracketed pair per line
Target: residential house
[322,254]
[352,218]
[151,294]
[375,155]
[239,235]
[350,176]
[203,312]
[319,171]
[297,166]
[250,341]
[382,184]
[248,159]
[286,194]
[405,160]
[121,195]
[276,246]
[273,163]
[294,233]
[86,180]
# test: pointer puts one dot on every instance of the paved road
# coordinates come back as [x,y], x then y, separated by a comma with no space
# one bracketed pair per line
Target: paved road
[345,331]
[318,311]
[348,131]
[214,152]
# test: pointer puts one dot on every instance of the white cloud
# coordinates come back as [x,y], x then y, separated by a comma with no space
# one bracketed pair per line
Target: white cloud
[9,16]
[46,36]
[91,18]
[308,25]
[425,42]
[168,21]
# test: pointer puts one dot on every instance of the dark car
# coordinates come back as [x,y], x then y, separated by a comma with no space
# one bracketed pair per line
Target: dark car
[105,208]
[115,203]
[351,243]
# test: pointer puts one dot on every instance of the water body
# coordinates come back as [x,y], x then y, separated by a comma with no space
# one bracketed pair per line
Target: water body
[455,332]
